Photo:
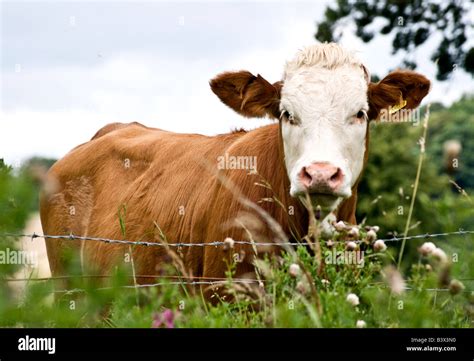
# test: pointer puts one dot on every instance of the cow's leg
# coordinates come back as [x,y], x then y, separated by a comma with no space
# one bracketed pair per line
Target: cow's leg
[67,211]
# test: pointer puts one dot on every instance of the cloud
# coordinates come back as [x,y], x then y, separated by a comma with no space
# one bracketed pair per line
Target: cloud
[50,107]
[84,65]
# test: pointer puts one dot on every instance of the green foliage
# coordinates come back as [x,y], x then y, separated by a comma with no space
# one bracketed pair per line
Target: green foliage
[387,184]
[455,123]
[17,198]
[412,22]
[281,302]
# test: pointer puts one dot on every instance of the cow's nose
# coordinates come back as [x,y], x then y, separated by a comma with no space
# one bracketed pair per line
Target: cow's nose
[321,178]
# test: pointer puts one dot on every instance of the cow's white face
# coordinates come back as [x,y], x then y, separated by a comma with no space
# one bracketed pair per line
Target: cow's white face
[322,103]
[324,125]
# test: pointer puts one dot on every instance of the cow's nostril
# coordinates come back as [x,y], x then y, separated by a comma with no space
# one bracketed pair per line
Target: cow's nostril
[336,176]
[306,177]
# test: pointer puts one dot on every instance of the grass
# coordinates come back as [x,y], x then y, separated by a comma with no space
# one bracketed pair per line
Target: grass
[312,294]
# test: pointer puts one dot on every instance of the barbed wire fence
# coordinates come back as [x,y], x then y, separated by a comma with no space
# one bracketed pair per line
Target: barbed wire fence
[73,237]
[202,281]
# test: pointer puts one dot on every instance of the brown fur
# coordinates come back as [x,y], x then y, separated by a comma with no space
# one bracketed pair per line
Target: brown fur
[407,84]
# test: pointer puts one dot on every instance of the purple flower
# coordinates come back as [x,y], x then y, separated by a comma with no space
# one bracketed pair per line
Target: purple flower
[164,319]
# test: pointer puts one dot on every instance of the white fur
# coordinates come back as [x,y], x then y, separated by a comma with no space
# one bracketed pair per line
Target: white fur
[324,87]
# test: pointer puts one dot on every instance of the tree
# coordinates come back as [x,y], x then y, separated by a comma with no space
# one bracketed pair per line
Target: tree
[412,22]
[386,187]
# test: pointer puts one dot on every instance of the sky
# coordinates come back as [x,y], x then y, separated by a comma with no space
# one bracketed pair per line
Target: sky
[69,68]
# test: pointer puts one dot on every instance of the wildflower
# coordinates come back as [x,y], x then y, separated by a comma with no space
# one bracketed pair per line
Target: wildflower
[164,319]
[228,243]
[302,287]
[353,299]
[439,255]
[427,248]
[428,268]
[325,282]
[294,270]
[371,235]
[379,246]
[353,233]
[330,243]
[375,228]
[456,287]
[351,246]
[394,280]
[361,324]
[340,226]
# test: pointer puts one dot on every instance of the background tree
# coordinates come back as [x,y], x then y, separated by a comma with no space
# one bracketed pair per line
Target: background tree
[412,22]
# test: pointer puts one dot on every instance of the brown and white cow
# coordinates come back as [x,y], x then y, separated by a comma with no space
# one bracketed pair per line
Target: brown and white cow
[173,183]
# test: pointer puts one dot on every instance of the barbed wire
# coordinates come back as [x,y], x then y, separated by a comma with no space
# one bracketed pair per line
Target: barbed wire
[73,237]
[220,283]
[151,285]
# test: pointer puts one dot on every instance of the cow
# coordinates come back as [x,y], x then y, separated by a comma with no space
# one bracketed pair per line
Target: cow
[146,184]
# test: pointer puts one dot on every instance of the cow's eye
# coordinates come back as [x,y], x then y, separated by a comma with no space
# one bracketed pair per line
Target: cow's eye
[361,115]
[286,115]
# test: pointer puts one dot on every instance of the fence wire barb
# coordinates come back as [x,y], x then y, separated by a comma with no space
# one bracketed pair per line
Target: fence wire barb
[150,285]
[72,237]
[214,283]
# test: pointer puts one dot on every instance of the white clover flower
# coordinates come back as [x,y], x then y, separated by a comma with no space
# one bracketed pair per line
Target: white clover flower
[294,270]
[351,246]
[427,248]
[361,324]
[353,299]
[456,287]
[302,287]
[371,235]
[325,282]
[439,255]
[353,233]
[228,243]
[340,226]
[379,246]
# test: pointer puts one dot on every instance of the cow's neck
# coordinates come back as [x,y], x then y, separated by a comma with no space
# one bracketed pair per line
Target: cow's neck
[265,143]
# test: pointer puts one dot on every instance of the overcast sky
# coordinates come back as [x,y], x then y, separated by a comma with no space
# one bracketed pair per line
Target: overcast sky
[68,68]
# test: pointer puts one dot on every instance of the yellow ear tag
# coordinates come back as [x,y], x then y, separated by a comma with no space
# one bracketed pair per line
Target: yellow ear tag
[398,106]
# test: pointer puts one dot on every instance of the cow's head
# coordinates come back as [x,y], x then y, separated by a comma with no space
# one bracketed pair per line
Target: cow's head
[324,103]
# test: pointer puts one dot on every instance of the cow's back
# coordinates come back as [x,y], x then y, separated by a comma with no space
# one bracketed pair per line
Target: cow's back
[135,182]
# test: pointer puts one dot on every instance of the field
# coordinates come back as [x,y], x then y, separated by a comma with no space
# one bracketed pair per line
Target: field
[407,190]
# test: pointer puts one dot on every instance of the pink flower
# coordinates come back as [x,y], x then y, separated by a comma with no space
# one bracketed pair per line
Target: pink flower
[164,319]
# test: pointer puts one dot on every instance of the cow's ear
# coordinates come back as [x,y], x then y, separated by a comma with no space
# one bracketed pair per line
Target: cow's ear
[401,89]
[247,94]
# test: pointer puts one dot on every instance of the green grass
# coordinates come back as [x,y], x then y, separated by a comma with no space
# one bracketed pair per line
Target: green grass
[283,300]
